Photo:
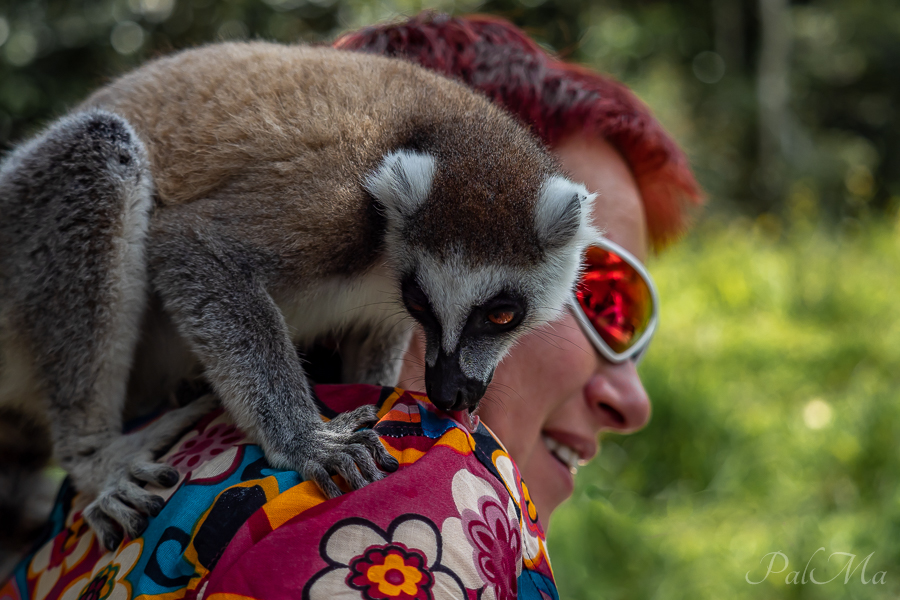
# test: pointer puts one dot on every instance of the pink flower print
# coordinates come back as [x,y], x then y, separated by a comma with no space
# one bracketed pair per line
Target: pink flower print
[533,535]
[496,543]
[205,446]
[484,544]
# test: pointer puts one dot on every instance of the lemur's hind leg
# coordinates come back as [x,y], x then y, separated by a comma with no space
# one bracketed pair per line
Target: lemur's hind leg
[75,204]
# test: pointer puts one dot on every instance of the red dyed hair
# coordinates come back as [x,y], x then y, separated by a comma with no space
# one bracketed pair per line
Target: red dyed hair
[555,99]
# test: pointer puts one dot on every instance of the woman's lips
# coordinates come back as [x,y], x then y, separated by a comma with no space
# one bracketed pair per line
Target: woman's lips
[565,454]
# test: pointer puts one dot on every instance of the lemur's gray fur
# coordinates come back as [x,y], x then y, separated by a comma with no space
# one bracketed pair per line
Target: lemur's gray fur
[75,205]
[218,207]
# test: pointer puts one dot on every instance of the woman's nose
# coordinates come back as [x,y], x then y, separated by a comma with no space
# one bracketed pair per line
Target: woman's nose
[618,398]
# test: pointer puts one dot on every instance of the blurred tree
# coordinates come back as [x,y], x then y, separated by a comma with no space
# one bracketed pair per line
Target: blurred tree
[773,90]
[786,108]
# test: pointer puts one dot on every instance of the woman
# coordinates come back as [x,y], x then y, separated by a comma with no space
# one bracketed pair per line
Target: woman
[456,520]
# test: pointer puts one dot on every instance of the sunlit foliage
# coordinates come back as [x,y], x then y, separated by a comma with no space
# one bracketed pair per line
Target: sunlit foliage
[776,395]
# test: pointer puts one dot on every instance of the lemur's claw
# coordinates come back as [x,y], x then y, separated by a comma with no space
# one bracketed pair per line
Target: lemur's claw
[342,449]
[108,532]
[121,506]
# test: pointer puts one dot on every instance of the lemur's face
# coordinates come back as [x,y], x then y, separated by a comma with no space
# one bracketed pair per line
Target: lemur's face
[470,320]
[478,288]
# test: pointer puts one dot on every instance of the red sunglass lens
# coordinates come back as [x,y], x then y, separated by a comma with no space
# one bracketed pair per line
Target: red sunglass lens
[615,298]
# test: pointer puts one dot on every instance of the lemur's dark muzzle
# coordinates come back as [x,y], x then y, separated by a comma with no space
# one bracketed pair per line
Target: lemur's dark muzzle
[449,388]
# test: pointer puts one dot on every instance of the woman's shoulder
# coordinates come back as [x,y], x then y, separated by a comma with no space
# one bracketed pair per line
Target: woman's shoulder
[455,519]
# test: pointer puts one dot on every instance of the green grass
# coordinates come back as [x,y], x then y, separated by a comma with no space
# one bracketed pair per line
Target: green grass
[775,379]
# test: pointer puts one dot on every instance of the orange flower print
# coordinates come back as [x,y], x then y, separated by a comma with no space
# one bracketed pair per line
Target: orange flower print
[391,571]
[402,563]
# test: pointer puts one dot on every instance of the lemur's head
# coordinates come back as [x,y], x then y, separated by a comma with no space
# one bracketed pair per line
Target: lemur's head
[486,247]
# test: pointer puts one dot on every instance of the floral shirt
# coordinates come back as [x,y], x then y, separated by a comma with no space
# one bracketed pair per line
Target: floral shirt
[455,521]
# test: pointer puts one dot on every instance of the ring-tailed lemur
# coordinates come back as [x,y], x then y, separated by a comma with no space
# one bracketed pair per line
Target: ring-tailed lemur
[218,206]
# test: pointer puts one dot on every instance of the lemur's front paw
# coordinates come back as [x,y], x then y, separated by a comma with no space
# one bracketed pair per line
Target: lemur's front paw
[338,448]
[123,506]
[115,472]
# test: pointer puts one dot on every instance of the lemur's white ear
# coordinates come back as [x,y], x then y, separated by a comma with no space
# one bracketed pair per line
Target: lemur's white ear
[402,181]
[562,209]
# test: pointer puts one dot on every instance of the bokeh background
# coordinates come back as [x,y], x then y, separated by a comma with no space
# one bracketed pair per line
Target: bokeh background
[775,373]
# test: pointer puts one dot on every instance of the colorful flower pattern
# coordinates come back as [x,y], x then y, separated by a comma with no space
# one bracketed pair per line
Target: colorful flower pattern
[455,521]
[402,563]
[107,581]
[194,450]
[391,571]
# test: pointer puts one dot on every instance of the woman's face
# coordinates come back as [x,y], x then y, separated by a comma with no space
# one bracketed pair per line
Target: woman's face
[553,383]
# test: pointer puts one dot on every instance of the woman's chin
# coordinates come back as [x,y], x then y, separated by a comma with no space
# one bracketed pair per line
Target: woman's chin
[550,483]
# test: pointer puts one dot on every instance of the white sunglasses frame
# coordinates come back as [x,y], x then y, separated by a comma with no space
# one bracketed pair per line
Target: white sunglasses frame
[636,351]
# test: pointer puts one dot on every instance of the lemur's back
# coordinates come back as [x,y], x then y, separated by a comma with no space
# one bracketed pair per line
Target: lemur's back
[203,112]
[286,132]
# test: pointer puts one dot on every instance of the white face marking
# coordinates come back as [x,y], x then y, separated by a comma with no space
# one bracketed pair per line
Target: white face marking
[402,182]
[455,286]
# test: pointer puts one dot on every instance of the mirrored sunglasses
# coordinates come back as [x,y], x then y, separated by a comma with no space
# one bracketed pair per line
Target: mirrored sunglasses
[615,302]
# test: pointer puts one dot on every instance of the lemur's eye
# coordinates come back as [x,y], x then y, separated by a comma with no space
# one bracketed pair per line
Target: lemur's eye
[501,317]
[416,301]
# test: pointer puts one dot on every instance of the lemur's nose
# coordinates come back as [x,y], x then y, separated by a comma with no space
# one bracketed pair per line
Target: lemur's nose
[449,388]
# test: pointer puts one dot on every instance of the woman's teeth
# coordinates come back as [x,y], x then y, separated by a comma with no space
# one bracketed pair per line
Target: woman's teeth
[566,455]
